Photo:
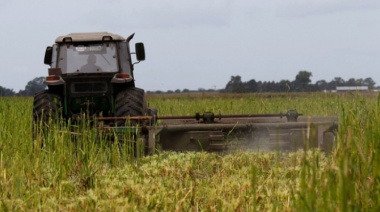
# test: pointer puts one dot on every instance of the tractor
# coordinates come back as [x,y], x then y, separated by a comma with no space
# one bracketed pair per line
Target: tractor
[92,74]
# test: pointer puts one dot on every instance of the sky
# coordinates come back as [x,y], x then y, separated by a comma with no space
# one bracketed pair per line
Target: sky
[201,44]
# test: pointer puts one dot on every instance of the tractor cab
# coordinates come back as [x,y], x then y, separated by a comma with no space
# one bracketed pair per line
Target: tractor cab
[89,70]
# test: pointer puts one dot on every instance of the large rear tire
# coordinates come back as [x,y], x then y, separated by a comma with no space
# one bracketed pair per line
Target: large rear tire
[130,102]
[47,107]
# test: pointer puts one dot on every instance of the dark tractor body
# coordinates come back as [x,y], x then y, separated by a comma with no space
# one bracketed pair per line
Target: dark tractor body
[90,73]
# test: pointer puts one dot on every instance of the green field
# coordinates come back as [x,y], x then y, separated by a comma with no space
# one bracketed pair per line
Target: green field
[95,174]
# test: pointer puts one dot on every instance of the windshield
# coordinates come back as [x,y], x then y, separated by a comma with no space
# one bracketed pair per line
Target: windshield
[90,58]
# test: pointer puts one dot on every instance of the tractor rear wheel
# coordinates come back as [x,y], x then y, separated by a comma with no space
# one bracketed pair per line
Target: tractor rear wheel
[130,102]
[47,107]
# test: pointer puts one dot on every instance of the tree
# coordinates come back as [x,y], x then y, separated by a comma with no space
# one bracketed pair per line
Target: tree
[302,81]
[6,91]
[321,85]
[251,86]
[351,82]
[369,82]
[284,86]
[339,81]
[33,86]
[235,85]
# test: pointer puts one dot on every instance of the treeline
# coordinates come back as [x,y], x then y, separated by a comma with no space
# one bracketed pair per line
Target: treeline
[6,91]
[33,86]
[177,91]
[301,83]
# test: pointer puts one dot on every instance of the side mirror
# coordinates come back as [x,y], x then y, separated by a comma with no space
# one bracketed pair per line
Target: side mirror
[140,51]
[48,55]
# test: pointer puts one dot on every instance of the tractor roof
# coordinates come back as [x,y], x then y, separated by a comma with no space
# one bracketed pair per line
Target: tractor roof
[89,37]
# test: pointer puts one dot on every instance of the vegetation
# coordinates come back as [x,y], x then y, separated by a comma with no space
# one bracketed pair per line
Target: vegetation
[53,172]
[301,83]
[6,92]
[33,86]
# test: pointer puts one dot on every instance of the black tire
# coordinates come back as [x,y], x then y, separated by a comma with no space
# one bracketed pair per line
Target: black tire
[130,102]
[46,107]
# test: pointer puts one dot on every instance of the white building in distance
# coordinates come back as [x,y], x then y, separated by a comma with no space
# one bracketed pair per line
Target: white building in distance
[351,88]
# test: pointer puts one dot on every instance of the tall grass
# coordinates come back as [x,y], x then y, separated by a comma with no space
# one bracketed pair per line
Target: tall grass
[86,171]
[351,181]
[61,156]
[188,104]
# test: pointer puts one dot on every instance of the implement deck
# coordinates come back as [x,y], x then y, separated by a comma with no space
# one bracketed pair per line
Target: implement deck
[209,132]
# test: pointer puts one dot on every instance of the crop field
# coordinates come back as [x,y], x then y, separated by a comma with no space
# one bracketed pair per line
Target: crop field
[55,172]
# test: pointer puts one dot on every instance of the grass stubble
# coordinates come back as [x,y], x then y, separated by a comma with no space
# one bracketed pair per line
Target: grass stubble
[95,174]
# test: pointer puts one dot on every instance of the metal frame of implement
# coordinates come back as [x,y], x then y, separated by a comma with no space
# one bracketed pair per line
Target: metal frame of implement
[212,132]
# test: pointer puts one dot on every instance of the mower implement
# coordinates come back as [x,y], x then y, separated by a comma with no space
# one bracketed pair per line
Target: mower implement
[209,132]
